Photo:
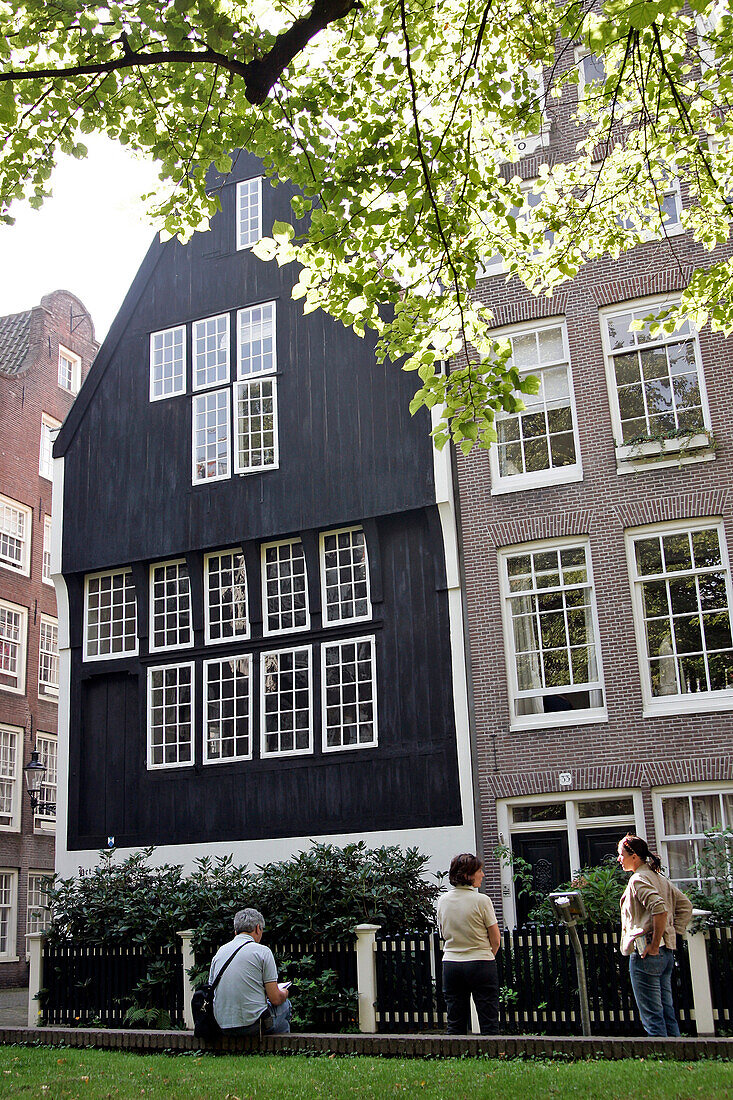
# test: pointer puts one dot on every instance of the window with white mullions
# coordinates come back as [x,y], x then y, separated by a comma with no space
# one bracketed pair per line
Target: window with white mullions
[284,587]
[256,353]
[13,635]
[110,621]
[11,742]
[48,754]
[225,595]
[686,816]
[256,425]
[69,370]
[249,212]
[210,351]
[348,678]
[227,709]
[15,535]
[49,431]
[48,657]
[46,568]
[38,912]
[539,445]
[552,635]
[8,912]
[682,596]
[170,606]
[211,453]
[345,575]
[167,363]
[286,722]
[170,716]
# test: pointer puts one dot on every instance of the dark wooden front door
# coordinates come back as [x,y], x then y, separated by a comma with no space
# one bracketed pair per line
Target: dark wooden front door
[597,845]
[548,855]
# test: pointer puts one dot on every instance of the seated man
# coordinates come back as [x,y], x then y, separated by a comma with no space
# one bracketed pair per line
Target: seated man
[249,982]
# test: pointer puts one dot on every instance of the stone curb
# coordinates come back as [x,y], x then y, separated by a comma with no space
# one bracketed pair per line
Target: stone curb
[389,1046]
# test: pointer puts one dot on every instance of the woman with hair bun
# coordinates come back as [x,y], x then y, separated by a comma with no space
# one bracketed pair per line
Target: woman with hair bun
[468,925]
[653,911]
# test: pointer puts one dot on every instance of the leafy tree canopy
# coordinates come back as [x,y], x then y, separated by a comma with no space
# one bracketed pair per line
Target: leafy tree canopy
[399,122]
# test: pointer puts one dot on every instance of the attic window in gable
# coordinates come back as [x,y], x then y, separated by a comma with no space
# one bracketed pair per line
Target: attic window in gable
[167,363]
[249,212]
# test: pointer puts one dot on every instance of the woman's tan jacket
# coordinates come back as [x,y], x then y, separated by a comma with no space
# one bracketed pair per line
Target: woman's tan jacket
[649,893]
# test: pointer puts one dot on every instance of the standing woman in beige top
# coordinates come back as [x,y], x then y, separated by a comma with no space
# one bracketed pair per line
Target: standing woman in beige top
[468,924]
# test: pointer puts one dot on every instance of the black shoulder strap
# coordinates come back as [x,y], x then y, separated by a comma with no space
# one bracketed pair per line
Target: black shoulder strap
[226,964]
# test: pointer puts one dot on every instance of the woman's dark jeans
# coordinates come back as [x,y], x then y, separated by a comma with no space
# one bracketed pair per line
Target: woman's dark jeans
[479,979]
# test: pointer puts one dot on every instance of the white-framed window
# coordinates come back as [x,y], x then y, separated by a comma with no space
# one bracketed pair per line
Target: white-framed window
[110,615]
[13,646]
[49,430]
[11,789]
[167,363]
[210,351]
[8,913]
[69,370]
[285,702]
[494,265]
[170,716]
[345,592]
[256,344]
[284,587]
[38,914]
[682,816]
[170,606]
[48,658]
[46,566]
[551,634]
[655,383]
[249,212]
[349,694]
[255,411]
[680,578]
[48,754]
[540,445]
[228,709]
[225,596]
[591,70]
[15,535]
[707,27]
[210,426]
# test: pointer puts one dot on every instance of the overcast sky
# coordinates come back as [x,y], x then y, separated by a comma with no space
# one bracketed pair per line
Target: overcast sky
[89,238]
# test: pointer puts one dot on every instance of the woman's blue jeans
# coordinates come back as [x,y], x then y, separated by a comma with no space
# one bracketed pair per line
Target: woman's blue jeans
[651,981]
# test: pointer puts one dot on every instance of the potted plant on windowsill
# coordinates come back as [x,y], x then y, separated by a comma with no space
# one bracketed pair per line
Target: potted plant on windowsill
[677,443]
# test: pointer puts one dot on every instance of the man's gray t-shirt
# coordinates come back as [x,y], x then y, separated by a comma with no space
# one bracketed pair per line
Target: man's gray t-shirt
[239,998]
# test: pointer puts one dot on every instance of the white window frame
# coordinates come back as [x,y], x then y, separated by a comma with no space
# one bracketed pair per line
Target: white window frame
[46,822]
[243,375]
[689,703]
[73,375]
[240,387]
[266,629]
[237,636]
[25,513]
[249,239]
[248,715]
[49,429]
[200,402]
[681,790]
[581,52]
[180,387]
[553,475]
[494,264]
[337,644]
[47,689]
[37,917]
[19,689]
[149,714]
[151,625]
[10,954]
[46,557]
[551,719]
[195,334]
[16,762]
[322,564]
[132,647]
[264,754]
[506,829]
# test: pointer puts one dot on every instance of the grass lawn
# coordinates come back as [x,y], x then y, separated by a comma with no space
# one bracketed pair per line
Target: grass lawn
[46,1072]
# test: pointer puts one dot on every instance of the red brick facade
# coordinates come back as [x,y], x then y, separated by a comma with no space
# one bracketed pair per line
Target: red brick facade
[29,387]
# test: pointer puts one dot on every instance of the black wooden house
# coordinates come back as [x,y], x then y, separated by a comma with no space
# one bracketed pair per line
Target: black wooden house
[260,616]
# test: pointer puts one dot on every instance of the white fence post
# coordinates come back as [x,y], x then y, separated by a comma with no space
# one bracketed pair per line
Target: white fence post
[366,975]
[34,943]
[188,962]
[700,975]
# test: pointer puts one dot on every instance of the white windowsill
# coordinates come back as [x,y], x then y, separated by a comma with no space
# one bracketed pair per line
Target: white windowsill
[561,718]
[632,456]
[702,703]
[9,958]
[563,475]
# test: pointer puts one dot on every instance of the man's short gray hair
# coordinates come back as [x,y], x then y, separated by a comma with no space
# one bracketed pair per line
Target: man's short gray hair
[246,920]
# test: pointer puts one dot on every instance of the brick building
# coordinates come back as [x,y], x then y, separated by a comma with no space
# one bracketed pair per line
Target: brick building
[45,354]
[595,543]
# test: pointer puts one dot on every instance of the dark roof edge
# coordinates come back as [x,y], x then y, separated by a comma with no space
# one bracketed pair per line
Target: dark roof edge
[108,348]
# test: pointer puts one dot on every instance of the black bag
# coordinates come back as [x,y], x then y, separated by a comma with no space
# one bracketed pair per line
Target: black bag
[202,1004]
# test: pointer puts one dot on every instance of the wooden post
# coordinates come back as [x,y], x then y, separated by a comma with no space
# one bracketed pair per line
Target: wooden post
[188,962]
[701,993]
[366,975]
[35,941]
